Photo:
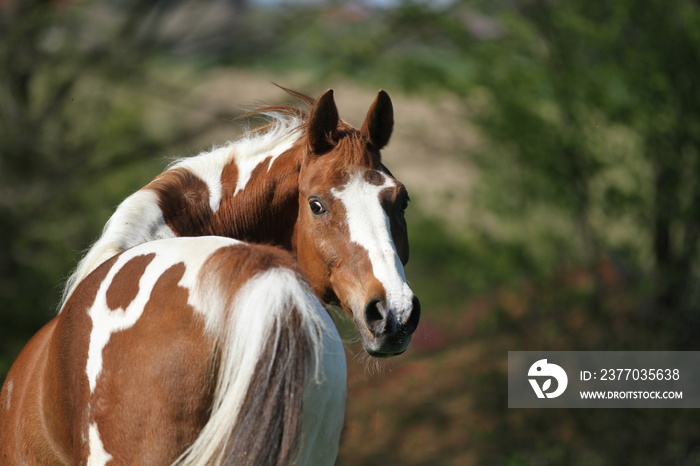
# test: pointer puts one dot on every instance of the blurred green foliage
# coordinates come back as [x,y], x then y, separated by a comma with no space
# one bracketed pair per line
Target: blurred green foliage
[77,87]
[590,113]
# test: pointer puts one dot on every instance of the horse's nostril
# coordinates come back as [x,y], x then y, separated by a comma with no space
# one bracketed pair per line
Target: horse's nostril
[375,318]
[414,318]
[383,323]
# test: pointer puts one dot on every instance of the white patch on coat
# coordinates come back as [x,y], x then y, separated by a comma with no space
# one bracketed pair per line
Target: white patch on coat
[254,149]
[98,455]
[8,397]
[192,252]
[247,152]
[208,166]
[370,227]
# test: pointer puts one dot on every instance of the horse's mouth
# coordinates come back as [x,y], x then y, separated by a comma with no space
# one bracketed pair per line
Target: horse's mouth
[386,347]
[380,355]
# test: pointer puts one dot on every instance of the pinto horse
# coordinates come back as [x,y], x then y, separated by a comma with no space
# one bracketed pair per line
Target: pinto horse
[177,343]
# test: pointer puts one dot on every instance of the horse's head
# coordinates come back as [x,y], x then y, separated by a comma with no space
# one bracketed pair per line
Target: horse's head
[350,237]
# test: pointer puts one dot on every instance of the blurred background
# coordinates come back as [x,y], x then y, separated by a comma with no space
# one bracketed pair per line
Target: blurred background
[551,149]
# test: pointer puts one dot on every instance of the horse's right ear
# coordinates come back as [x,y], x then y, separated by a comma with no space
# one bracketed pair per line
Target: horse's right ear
[323,123]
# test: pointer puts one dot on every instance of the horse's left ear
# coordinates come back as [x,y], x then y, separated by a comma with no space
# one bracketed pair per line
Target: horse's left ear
[380,121]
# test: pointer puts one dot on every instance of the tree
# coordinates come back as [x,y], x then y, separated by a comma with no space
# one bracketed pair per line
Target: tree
[571,69]
[76,84]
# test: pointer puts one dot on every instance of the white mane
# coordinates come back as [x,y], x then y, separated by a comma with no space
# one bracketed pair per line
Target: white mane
[138,219]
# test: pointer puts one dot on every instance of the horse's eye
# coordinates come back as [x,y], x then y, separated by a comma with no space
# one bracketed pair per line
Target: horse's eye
[317,207]
[404,205]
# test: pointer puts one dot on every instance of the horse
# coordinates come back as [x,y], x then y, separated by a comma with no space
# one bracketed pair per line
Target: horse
[192,331]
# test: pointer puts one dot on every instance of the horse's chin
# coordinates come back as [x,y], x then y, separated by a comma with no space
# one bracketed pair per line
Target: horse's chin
[385,349]
[378,355]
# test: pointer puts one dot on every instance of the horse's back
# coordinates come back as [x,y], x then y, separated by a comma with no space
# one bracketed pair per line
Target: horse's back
[147,362]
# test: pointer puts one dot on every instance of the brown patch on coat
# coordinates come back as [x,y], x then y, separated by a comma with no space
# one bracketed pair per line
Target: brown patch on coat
[125,284]
[373,177]
[25,437]
[229,179]
[232,266]
[46,422]
[155,389]
[183,199]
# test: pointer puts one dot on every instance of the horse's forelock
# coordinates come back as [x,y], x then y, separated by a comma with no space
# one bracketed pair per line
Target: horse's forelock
[354,150]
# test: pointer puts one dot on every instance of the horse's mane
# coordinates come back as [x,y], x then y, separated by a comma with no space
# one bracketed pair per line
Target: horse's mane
[282,125]
[275,112]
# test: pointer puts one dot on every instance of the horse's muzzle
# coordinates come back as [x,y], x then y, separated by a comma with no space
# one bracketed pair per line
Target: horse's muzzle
[390,329]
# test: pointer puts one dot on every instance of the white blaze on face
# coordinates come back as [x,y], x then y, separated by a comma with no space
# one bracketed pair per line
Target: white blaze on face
[370,228]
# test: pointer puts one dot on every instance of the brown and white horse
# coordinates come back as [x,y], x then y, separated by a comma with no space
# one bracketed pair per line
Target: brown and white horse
[178,344]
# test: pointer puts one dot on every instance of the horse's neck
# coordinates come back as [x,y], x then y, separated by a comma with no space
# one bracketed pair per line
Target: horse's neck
[256,202]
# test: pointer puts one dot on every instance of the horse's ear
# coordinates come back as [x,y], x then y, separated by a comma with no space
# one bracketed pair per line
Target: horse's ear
[323,123]
[380,121]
